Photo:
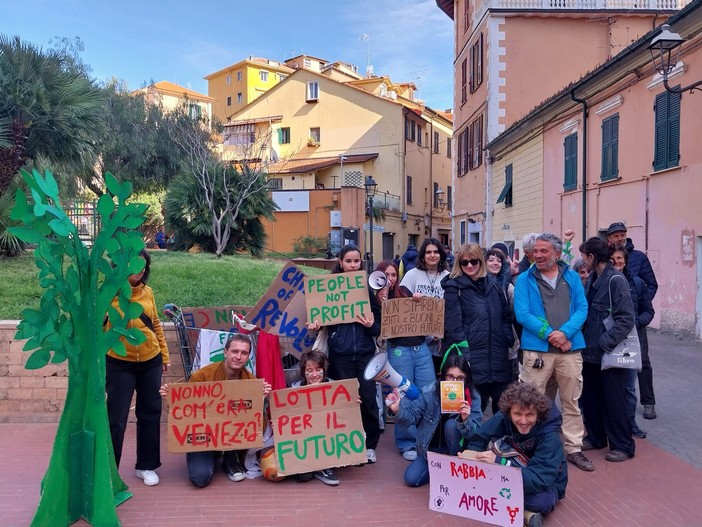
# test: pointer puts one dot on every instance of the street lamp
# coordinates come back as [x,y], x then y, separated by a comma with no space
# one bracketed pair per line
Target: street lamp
[371,188]
[439,202]
[665,52]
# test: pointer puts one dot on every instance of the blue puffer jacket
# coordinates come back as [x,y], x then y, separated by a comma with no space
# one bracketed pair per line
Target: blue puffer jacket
[425,412]
[481,316]
[530,313]
[547,467]
[639,265]
[598,339]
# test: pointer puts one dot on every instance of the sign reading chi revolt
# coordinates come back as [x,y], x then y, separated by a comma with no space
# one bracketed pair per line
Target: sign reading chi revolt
[337,298]
[406,317]
[317,426]
[485,492]
[215,415]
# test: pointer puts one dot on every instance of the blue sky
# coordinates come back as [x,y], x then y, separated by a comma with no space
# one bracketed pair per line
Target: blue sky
[182,41]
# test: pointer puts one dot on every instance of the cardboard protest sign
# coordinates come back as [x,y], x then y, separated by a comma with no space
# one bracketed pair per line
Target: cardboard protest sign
[406,317]
[281,310]
[481,491]
[451,396]
[337,298]
[317,426]
[219,318]
[215,415]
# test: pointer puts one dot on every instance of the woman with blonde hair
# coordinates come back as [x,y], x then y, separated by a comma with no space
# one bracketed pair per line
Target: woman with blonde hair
[477,315]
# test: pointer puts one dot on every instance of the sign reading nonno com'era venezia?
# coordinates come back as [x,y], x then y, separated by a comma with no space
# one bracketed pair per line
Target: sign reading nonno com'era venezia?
[337,298]
[215,415]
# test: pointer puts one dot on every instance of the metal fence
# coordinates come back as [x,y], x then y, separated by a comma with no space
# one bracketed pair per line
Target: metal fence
[84,215]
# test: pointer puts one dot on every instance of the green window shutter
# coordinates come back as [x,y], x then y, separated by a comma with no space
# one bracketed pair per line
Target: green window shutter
[571,162]
[610,148]
[280,136]
[606,135]
[506,194]
[614,148]
[673,130]
[660,154]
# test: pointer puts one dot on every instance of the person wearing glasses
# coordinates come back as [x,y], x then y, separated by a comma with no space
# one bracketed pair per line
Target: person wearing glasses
[478,314]
[436,432]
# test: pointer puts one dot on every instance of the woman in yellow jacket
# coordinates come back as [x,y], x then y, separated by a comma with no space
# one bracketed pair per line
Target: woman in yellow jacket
[141,370]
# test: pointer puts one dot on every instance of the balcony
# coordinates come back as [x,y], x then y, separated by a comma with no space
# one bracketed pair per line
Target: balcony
[385,200]
[549,5]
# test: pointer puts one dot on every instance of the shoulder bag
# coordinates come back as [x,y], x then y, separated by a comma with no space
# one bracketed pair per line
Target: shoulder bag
[626,354]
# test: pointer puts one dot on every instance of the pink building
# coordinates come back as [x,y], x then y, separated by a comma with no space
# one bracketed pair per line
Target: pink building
[615,145]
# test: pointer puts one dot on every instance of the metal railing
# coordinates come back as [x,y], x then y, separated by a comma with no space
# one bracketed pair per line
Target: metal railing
[84,215]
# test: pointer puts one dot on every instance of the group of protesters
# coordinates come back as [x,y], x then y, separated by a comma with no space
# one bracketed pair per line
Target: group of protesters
[517,333]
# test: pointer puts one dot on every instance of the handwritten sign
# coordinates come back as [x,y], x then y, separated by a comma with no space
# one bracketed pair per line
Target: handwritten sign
[317,427]
[216,415]
[281,310]
[337,298]
[219,318]
[481,491]
[406,317]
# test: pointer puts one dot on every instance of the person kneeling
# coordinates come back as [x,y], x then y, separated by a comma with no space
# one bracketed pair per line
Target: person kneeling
[437,432]
[525,434]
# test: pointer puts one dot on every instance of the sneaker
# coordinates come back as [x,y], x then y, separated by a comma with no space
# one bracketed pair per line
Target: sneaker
[370,454]
[327,477]
[649,411]
[234,472]
[637,432]
[535,520]
[616,456]
[149,476]
[579,460]
[410,455]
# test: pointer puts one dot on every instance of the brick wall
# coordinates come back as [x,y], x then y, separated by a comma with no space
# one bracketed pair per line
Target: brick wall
[28,396]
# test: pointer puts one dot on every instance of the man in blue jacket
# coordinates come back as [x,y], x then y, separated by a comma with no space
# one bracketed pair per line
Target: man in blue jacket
[550,304]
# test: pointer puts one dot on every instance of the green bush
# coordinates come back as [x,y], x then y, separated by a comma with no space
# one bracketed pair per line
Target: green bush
[310,246]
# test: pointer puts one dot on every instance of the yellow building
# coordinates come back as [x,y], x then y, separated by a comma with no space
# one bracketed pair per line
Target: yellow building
[237,85]
[171,95]
[322,132]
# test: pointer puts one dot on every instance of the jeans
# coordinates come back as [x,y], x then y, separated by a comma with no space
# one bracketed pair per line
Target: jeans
[122,379]
[201,465]
[631,396]
[414,363]
[417,473]
[542,502]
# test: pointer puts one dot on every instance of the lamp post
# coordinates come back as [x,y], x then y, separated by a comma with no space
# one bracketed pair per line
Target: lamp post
[371,188]
[665,51]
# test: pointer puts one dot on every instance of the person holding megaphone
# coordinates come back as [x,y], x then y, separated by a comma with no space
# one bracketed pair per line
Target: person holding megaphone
[444,433]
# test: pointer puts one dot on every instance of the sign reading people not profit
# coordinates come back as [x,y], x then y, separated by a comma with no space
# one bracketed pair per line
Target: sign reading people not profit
[406,317]
[337,298]
[481,491]
[317,426]
[215,415]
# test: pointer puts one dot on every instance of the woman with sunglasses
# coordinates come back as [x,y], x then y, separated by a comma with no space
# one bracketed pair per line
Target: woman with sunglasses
[477,313]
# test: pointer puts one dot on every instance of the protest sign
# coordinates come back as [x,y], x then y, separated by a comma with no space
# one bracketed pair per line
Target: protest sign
[337,298]
[215,415]
[406,317]
[281,310]
[317,426]
[218,318]
[486,492]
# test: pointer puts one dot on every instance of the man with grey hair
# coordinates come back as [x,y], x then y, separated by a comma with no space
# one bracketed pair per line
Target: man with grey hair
[528,248]
[550,304]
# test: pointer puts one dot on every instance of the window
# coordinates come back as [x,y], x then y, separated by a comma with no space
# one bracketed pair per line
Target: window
[228,80]
[312,91]
[409,190]
[282,77]
[195,111]
[449,197]
[448,147]
[466,16]
[307,63]
[238,76]
[610,148]
[464,81]
[436,196]
[239,97]
[436,143]
[462,235]
[275,183]
[462,162]
[667,131]
[570,147]
[263,75]
[475,149]
[229,101]
[407,128]
[476,64]
[284,136]
[242,134]
[412,130]
[506,194]
[419,134]
[315,135]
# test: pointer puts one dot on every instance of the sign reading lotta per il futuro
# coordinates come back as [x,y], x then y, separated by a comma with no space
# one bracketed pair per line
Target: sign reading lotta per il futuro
[406,317]
[337,298]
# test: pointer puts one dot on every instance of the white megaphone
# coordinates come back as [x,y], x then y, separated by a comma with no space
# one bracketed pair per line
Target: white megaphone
[377,280]
[380,370]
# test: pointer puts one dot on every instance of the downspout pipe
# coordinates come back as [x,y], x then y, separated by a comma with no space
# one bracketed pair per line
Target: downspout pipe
[584,164]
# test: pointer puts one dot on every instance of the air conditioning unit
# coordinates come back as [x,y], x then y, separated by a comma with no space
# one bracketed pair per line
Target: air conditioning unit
[335,218]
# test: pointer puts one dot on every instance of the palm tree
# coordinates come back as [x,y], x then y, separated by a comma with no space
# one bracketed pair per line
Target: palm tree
[48,109]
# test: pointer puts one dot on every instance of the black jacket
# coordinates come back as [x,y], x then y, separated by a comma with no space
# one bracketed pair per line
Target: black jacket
[355,339]
[598,340]
[481,316]
[640,266]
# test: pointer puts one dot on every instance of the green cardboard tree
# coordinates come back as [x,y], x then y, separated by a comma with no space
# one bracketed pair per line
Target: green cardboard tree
[79,285]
